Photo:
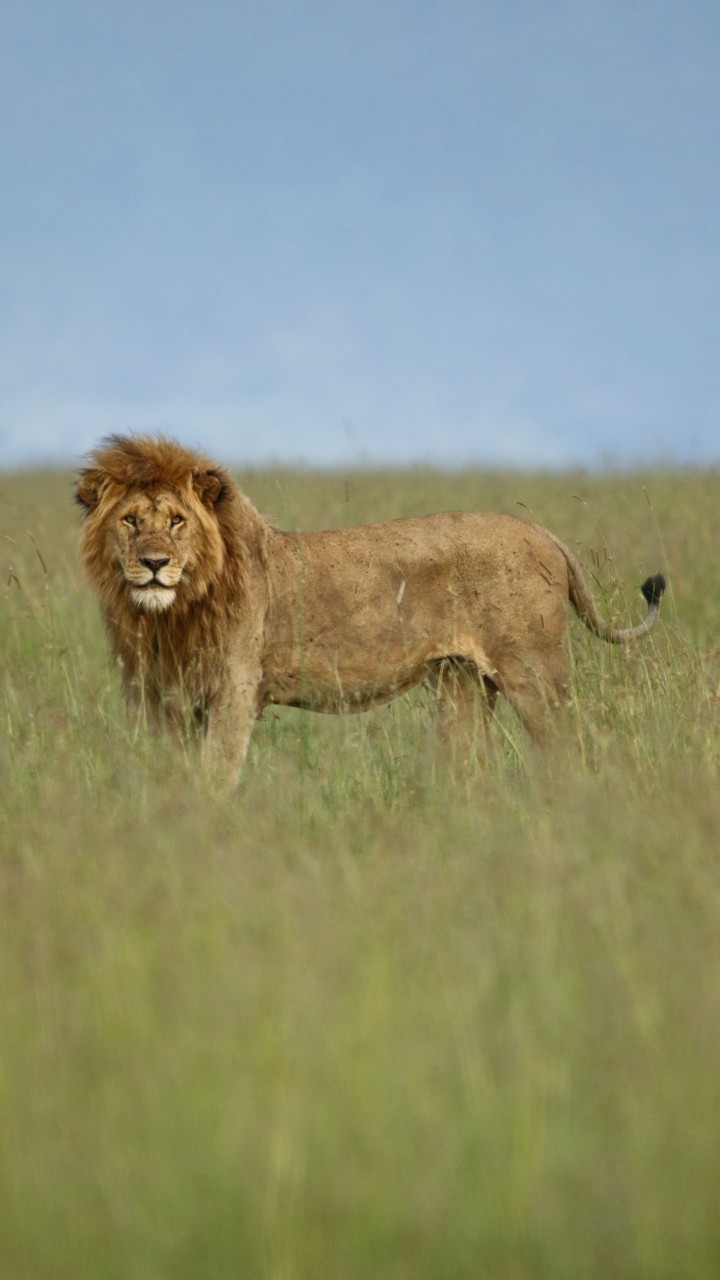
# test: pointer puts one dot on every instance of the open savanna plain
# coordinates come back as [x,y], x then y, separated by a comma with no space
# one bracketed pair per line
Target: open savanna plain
[376,1016]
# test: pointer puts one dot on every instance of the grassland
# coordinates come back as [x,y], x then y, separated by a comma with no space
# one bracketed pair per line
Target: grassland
[369,1019]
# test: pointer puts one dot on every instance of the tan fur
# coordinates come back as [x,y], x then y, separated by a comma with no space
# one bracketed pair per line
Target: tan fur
[214,613]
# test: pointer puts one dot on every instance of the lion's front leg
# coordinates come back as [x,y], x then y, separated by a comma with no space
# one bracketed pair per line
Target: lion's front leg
[231,715]
[142,703]
[161,711]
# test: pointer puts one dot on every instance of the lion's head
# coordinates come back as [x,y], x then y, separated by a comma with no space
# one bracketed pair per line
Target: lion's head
[161,522]
[154,541]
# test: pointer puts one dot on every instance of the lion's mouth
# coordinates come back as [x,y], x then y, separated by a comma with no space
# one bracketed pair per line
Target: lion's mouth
[154,594]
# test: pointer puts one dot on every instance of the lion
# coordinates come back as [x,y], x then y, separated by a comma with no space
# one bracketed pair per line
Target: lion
[211,608]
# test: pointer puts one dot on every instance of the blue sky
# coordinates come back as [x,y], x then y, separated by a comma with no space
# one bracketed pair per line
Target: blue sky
[463,230]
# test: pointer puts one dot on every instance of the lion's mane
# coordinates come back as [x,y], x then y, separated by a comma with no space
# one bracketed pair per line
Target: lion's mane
[187,639]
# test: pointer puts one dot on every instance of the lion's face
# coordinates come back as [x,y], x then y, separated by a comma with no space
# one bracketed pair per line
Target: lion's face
[162,525]
[154,542]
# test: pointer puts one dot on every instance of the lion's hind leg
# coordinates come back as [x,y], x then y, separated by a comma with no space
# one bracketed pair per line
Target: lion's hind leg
[538,694]
[466,700]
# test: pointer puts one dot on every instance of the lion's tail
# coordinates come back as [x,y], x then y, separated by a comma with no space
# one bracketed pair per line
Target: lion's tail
[584,605]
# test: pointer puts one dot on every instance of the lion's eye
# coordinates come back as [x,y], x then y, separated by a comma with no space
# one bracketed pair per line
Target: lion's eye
[176,520]
[131,520]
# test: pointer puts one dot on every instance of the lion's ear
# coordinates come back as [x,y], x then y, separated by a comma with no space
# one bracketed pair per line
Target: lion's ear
[210,486]
[89,487]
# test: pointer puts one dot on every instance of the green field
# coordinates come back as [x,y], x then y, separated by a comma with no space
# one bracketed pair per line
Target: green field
[372,1018]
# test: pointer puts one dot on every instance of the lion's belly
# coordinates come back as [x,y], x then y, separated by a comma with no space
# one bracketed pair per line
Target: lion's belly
[333,682]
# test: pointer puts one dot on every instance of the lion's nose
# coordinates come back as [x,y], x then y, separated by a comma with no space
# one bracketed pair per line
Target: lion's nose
[153,563]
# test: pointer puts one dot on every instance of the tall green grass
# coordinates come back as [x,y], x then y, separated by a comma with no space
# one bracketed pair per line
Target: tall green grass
[371,1017]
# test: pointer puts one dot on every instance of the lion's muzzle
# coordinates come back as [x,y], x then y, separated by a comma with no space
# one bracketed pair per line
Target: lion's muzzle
[154,587]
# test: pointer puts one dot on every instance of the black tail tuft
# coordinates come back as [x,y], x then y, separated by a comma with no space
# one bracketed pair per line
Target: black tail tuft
[652,589]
